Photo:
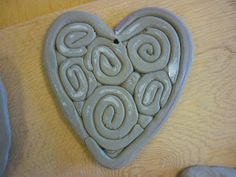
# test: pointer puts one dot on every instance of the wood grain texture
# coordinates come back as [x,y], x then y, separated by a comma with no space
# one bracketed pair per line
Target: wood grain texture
[201,130]
[16,11]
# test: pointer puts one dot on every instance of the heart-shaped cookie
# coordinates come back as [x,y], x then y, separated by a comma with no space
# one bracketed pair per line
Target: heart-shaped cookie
[118,87]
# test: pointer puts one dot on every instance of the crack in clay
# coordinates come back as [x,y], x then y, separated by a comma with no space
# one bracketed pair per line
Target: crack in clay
[127,80]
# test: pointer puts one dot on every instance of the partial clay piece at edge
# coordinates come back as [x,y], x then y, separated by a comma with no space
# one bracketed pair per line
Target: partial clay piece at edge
[5,129]
[208,171]
[118,87]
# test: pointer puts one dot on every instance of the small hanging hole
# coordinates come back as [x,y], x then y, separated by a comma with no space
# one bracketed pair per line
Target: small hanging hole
[116,41]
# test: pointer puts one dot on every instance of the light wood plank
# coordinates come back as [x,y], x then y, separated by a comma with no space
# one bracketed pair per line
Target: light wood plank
[200,131]
[18,11]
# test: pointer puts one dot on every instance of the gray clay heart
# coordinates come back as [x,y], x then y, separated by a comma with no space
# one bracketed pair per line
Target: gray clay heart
[118,87]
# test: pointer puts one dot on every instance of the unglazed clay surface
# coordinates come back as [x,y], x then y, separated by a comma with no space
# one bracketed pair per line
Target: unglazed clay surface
[208,171]
[5,130]
[117,87]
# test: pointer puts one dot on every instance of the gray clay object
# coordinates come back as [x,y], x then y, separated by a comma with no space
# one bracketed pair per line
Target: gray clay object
[5,130]
[118,87]
[208,171]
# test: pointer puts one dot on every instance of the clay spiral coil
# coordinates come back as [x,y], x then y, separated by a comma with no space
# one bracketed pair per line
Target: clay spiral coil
[110,117]
[109,61]
[152,92]
[149,51]
[153,43]
[73,38]
[77,81]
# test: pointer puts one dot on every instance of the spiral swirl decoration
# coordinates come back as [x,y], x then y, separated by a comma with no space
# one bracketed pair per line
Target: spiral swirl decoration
[77,81]
[153,43]
[109,61]
[73,39]
[152,92]
[110,117]
[149,51]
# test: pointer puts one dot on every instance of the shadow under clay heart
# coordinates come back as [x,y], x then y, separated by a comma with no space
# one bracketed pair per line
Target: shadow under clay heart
[118,87]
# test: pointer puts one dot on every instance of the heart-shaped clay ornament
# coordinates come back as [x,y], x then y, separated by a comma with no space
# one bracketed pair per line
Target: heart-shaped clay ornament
[118,87]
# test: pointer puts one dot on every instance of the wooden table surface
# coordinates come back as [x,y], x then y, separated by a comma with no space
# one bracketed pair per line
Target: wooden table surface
[16,11]
[201,130]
